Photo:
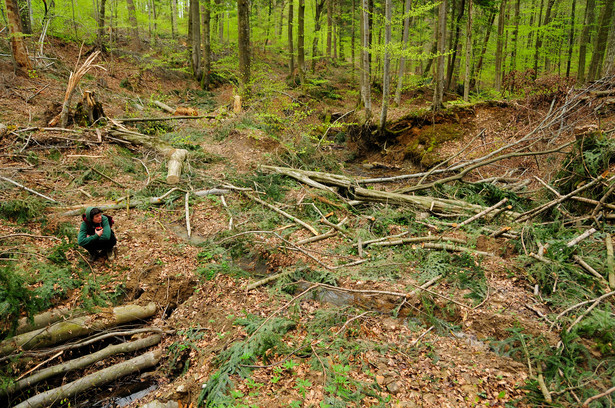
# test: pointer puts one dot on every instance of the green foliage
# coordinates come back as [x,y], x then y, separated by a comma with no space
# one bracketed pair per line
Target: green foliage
[600,326]
[234,360]
[23,210]
[178,351]
[14,298]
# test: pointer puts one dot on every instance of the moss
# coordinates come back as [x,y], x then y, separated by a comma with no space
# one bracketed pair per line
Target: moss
[423,149]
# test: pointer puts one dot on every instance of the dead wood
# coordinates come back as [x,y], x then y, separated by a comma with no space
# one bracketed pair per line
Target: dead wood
[581,237]
[482,213]
[610,262]
[164,107]
[588,268]
[187,208]
[44,319]
[175,164]
[595,303]
[81,362]
[598,396]
[29,236]
[285,214]
[415,240]
[128,120]
[27,189]
[76,327]
[269,279]
[96,379]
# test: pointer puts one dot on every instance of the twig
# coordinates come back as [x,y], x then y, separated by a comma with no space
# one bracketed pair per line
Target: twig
[29,236]
[187,205]
[28,189]
[285,214]
[126,120]
[421,336]
[107,177]
[581,237]
[330,126]
[59,353]
[146,170]
[595,397]
[587,267]
[610,262]
[482,213]
[589,309]
[455,248]
[416,240]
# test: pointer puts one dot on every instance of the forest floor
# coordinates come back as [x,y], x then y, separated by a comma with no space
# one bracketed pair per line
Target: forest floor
[462,342]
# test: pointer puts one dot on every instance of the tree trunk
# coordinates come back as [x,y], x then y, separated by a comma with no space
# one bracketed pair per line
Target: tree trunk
[499,47]
[291,50]
[515,36]
[329,27]
[76,327]
[81,362]
[609,64]
[453,58]
[243,24]
[220,20]
[98,378]
[600,44]
[100,36]
[173,18]
[24,16]
[439,86]
[206,44]
[195,24]
[366,83]
[402,59]
[466,81]
[18,47]
[318,8]
[539,36]
[269,14]
[301,41]
[132,18]
[352,38]
[571,37]
[281,25]
[479,65]
[386,78]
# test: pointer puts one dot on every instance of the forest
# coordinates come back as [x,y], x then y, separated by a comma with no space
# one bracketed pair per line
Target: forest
[317,203]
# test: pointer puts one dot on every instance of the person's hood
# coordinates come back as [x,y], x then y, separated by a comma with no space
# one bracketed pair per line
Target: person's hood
[87,214]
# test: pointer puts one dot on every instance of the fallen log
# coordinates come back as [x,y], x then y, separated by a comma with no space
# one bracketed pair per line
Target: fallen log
[98,378]
[80,363]
[41,320]
[417,240]
[175,164]
[76,327]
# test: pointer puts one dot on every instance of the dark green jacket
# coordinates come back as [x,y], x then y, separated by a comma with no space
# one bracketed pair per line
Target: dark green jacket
[87,234]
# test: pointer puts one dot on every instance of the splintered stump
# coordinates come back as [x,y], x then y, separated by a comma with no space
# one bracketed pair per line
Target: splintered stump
[175,164]
[89,110]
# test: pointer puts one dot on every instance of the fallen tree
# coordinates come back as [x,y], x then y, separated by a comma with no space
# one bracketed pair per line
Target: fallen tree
[98,378]
[76,327]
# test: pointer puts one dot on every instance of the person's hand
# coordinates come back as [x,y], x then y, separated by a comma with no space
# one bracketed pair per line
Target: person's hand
[99,231]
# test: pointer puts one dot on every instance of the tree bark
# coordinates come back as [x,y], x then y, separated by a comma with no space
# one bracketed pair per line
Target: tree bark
[454,46]
[571,37]
[195,25]
[318,8]
[132,18]
[439,86]
[539,36]
[291,50]
[205,79]
[243,23]
[365,83]
[18,46]
[76,327]
[173,18]
[499,47]
[609,64]
[600,44]
[466,81]
[329,27]
[402,59]
[98,378]
[81,362]
[515,36]
[301,40]
[100,35]
[479,65]
[386,78]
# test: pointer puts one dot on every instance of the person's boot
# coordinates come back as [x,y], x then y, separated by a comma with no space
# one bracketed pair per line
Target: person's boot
[111,254]
[92,257]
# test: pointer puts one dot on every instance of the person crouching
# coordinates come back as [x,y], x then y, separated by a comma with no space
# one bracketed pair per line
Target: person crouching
[96,235]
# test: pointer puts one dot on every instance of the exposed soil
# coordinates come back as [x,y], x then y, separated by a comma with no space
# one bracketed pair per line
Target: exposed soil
[403,363]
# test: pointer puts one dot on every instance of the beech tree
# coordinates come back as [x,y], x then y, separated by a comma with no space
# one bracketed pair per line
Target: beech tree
[441,39]
[600,43]
[18,47]
[243,41]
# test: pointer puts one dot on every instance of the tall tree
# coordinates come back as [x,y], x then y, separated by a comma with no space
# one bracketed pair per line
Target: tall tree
[100,33]
[499,47]
[18,47]
[301,40]
[609,63]
[132,18]
[454,46]
[205,80]
[479,65]
[540,34]
[195,39]
[600,43]
[441,39]
[243,25]
[173,18]
[571,37]
[386,77]
[515,36]
[291,51]
[318,9]
[329,27]
[466,81]
[402,59]
[366,92]
[352,36]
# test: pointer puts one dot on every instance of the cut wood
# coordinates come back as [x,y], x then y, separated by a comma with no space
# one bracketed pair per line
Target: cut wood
[175,164]
[164,107]
[81,362]
[610,262]
[416,240]
[76,327]
[96,379]
[27,189]
[581,237]
[127,120]
[44,319]
[285,214]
